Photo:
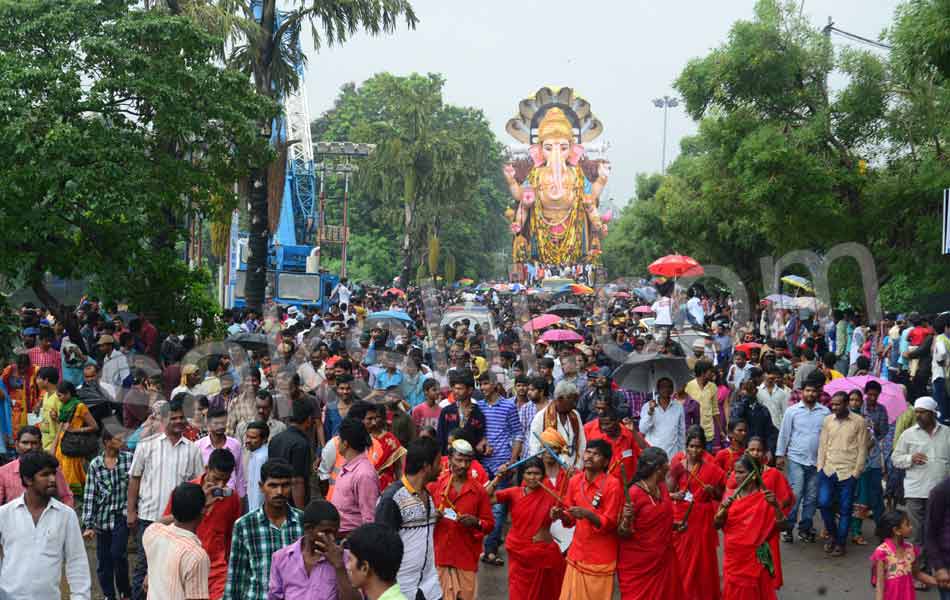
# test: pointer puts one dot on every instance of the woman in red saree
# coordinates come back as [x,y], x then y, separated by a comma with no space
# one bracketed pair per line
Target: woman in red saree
[647,568]
[748,518]
[535,563]
[773,480]
[386,453]
[725,458]
[697,485]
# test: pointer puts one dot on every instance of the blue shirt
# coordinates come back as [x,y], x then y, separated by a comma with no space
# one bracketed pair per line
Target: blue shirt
[903,347]
[798,438]
[255,459]
[502,430]
[385,380]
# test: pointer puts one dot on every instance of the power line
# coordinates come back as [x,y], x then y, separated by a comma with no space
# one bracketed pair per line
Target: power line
[830,28]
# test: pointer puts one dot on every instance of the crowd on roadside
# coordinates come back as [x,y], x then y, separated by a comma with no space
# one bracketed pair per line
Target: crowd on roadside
[298,455]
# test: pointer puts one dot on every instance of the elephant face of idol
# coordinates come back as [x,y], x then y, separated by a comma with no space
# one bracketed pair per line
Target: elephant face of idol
[556,152]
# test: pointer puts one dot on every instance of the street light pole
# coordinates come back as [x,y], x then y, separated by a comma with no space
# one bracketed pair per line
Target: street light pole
[340,154]
[666,102]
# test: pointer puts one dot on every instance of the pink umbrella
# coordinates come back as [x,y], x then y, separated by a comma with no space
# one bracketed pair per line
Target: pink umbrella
[643,310]
[621,295]
[542,322]
[561,335]
[892,395]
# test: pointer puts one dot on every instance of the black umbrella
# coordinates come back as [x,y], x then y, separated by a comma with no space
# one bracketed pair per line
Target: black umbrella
[251,341]
[126,316]
[566,310]
[640,372]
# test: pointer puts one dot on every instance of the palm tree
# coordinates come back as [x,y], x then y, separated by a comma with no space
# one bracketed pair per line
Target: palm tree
[265,43]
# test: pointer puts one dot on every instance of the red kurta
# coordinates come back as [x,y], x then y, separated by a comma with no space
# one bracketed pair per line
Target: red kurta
[749,524]
[696,547]
[647,568]
[385,454]
[624,449]
[774,480]
[594,545]
[456,545]
[476,472]
[559,486]
[535,569]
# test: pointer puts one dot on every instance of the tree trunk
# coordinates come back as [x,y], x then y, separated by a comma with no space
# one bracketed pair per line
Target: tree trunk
[47,298]
[256,283]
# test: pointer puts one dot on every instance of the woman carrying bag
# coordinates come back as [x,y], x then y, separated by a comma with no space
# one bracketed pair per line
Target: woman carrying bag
[77,439]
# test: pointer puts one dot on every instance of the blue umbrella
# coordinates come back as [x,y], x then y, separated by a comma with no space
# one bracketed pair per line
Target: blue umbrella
[390,317]
[647,293]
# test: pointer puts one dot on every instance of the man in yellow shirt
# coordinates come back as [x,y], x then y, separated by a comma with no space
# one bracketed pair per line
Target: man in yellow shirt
[703,391]
[828,367]
[48,410]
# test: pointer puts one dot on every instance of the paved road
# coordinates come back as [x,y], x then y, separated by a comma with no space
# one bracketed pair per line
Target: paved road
[809,575]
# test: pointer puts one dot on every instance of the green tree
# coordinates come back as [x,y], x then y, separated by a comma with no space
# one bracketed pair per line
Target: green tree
[114,118]
[782,163]
[436,171]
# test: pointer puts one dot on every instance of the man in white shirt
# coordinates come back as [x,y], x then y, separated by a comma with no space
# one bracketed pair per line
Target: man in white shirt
[940,365]
[115,365]
[773,396]
[37,533]
[560,414]
[924,451]
[694,310]
[342,292]
[662,421]
[312,373]
[663,309]
[159,465]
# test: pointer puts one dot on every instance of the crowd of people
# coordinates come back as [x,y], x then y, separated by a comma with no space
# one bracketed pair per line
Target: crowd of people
[343,454]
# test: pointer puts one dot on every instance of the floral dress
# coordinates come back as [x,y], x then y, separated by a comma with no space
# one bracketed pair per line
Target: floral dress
[898,570]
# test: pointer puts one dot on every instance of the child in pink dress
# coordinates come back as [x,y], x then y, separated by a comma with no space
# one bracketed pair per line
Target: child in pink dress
[894,564]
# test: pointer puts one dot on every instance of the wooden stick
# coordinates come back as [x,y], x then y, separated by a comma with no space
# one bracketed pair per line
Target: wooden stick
[552,493]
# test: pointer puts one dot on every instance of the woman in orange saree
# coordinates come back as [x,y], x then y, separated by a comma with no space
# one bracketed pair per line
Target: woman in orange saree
[647,568]
[535,563]
[20,380]
[748,518]
[698,484]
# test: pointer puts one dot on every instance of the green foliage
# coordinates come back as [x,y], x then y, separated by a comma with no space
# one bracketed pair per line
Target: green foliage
[782,164]
[922,36]
[440,163]
[9,329]
[114,124]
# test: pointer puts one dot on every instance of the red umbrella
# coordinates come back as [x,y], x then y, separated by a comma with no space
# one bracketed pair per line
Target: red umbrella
[621,295]
[394,292]
[561,335]
[676,265]
[748,347]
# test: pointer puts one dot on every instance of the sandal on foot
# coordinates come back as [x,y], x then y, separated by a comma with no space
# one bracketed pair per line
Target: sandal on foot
[859,541]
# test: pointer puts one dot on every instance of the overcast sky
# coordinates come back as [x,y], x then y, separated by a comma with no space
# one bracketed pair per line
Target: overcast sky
[618,54]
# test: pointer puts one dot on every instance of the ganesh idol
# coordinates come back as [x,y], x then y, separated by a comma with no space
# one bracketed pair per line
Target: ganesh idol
[556,191]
